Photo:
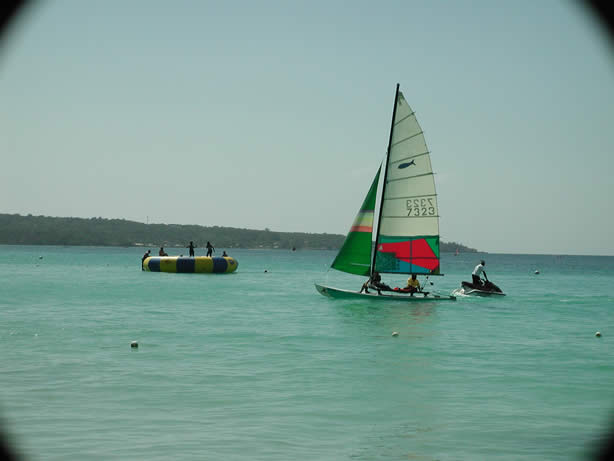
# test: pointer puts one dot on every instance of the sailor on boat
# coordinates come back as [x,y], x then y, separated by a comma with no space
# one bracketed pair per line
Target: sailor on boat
[475,275]
[413,286]
[375,283]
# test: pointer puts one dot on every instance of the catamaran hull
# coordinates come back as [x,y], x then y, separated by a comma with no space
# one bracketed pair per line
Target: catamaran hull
[338,293]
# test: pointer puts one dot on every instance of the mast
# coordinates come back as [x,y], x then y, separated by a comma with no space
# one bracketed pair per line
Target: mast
[379,215]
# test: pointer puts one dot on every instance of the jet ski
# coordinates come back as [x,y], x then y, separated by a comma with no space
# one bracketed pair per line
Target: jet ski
[487,288]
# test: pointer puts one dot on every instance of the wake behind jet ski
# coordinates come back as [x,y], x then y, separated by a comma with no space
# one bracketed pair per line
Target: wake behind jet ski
[480,287]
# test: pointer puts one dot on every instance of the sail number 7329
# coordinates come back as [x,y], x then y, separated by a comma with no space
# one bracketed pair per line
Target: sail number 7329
[420,207]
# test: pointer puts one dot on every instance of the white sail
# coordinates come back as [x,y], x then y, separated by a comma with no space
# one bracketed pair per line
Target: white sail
[408,230]
[410,200]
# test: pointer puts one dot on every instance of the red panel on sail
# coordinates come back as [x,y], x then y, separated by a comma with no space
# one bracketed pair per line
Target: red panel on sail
[400,249]
[421,249]
[422,255]
[417,252]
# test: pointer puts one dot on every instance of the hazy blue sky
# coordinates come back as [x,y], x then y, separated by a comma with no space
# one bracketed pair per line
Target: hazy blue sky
[276,114]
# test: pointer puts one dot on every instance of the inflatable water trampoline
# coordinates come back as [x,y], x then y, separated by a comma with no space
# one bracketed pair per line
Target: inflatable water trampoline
[191,265]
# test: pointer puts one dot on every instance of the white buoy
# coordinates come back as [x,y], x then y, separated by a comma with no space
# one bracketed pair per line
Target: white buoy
[134,344]
[395,333]
[598,334]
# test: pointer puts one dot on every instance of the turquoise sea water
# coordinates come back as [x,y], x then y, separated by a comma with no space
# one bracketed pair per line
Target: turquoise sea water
[259,366]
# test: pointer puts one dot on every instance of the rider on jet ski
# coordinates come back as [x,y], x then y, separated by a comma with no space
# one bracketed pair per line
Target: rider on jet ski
[475,275]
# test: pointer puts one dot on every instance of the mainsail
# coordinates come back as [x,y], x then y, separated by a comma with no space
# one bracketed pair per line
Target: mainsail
[355,254]
[407,240]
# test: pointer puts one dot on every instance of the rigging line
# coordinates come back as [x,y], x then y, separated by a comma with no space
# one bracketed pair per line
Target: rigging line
[404,118]
[411,177]
[411,196]
[408,138]
[410,157]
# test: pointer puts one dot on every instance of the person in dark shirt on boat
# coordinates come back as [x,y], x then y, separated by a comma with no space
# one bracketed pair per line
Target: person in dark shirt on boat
[162,252]
[145,256]
[475,275]
[224,254]
[210,249]
[375,283]
[191,246]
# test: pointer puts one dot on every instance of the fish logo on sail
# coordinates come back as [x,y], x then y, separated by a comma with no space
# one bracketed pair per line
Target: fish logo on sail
[405,165]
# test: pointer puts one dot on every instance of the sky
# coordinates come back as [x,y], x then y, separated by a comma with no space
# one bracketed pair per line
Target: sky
[276,114]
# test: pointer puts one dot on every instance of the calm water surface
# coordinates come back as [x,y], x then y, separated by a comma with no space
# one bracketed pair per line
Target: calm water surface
[259,366]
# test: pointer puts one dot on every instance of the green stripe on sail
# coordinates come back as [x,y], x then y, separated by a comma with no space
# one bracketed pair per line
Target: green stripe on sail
[355,254]
[434,244]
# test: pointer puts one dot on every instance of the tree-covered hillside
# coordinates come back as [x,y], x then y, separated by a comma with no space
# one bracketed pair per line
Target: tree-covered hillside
[44,230]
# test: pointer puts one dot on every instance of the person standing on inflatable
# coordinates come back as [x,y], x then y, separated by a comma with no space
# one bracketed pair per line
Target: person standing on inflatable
[210,249]
[191,246]
[145,256]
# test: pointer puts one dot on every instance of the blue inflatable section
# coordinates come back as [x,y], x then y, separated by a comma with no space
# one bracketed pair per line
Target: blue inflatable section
[153,264]
[185,265]
[219,265]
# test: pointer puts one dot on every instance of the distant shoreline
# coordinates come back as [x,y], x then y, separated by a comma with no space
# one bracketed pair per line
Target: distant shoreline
[16,229]
[447,253]
[151,247]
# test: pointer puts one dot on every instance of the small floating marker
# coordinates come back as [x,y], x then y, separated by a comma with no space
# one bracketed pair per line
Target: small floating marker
[265,271]
[598,334]
[536,272]
[134,344]
[395,333]
[40,257]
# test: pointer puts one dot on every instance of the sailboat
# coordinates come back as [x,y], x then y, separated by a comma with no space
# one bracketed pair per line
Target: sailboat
[406,233]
